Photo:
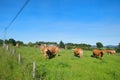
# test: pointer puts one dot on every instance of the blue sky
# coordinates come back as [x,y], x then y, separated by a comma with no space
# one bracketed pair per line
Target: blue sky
[76,21]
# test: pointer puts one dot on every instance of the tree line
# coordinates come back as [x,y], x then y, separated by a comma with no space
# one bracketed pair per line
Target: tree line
[11,41]
[61,44]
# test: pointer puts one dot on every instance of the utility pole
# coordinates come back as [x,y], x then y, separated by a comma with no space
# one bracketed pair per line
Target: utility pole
[4,37]
[6,28]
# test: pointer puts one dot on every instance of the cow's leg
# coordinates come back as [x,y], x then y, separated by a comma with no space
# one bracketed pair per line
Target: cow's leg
[56,53]
[81,55]
[46,56]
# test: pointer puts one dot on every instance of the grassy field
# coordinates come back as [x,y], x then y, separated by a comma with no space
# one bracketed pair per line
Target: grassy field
[63,67]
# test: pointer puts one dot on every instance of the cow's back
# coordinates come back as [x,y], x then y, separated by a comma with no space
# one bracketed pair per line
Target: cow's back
[98,53]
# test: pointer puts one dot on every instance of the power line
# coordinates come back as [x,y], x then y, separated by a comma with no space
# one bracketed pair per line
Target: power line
[17,14]
[6,28]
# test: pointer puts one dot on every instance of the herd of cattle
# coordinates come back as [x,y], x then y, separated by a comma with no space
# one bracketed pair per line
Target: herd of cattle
[49,51]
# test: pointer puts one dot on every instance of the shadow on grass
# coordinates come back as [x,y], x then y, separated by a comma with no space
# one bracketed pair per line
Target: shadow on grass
[51,55]
[77,56]
[97,57]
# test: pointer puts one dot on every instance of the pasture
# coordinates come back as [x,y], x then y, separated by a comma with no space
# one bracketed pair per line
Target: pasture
[63,67]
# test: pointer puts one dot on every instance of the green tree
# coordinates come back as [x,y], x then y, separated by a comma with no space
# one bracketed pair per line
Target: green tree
[6,41]
[20,42]
[12,41]
[1,42]
[99,45]
[30,44]
[118,48]
[61,44]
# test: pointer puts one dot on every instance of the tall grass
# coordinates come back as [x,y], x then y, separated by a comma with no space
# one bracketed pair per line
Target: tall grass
[63,67]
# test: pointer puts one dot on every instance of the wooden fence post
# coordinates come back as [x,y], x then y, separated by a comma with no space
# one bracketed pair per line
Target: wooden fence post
[7,47]
[34,70]
[14,51]
[19,59]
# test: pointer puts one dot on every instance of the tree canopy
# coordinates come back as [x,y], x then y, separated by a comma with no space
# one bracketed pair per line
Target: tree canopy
[99,45]
[61,44]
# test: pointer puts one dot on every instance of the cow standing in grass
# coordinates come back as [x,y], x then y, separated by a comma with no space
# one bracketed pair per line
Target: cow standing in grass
[54,50]
[110,51]
[17,44]
[78,52]
[43,49]
[49,51]
[98,53]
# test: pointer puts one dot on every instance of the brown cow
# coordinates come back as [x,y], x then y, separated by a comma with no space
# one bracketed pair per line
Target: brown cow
[53,50]
[78,52]
[49,51]
[110,51]
[98,53]
[17,44]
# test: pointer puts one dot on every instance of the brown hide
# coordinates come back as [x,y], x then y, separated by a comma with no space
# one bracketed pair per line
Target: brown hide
[53,50]
[110,51]
[98,53]
[42,48]
[78,52]
[49,51]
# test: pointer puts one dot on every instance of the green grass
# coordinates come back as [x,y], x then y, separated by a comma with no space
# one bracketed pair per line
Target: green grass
[63,67]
